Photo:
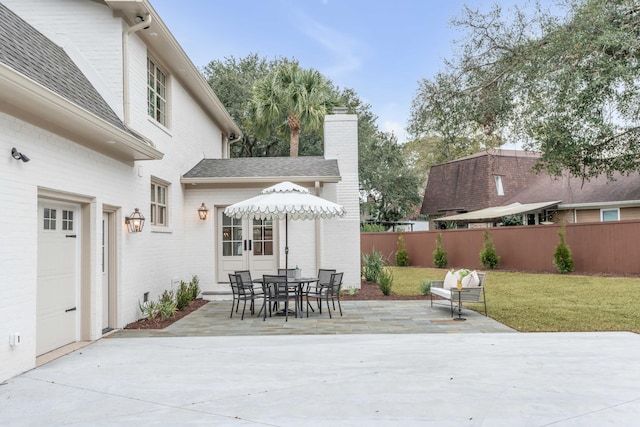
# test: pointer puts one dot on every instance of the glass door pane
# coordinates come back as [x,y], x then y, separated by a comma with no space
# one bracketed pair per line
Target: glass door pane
[262,237]
[231,236]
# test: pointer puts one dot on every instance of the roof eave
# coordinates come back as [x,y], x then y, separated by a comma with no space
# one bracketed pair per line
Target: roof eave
[165,46]
[492,213]
[592,205]
[258,179]
[28,100]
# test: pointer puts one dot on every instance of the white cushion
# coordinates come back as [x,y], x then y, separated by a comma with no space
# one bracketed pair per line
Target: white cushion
[444,293]
[471,280]
[450,280]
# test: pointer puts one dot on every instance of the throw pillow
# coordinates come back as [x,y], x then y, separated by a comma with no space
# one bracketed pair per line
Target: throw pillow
[450,280]
[471,280]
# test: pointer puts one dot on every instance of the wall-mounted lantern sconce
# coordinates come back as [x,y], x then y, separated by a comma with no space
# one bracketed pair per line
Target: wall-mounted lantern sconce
[18,155]
[135,222]
[203,212]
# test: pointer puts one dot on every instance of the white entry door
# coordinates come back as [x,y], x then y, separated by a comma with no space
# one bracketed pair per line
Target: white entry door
[246,245]
[57,312]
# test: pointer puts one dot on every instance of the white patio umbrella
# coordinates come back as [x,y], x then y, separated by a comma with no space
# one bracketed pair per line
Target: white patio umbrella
[283,201]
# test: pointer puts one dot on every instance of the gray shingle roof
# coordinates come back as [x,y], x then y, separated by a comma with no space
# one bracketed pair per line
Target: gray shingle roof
[29,52]
[467,184]
[572,190]
[260,167]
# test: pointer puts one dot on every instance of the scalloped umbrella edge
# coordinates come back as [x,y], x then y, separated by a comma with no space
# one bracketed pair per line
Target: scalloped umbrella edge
[285,200]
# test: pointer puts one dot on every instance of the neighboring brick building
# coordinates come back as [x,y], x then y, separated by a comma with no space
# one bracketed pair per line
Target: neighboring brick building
[476,182]
[457,190]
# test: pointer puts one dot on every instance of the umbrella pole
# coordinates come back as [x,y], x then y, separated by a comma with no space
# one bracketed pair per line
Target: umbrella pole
[286,243]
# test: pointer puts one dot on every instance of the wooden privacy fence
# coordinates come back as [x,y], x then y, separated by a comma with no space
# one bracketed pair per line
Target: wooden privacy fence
[604,247]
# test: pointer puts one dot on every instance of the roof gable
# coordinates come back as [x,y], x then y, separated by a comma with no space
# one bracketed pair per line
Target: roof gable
[32,54]
[468,183]
[40,84]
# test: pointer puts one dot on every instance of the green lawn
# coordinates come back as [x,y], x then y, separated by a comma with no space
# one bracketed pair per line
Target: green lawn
[531,302]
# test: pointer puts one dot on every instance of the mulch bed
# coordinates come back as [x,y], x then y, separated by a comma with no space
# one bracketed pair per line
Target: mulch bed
[161,324]
[368,292]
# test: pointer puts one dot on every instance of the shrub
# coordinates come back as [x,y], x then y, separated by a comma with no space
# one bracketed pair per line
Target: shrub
[371,228]
[372,266]
[425,287]
[511,220]
[385,280]
[166,305]
[351,291]
[439,255]
[562,258]
[167,296]
[402,257]
[166,308]
[194,287]
[488,256]
[183,296]
[148,309]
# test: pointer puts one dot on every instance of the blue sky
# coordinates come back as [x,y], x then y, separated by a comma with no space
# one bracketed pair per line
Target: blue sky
[380,49]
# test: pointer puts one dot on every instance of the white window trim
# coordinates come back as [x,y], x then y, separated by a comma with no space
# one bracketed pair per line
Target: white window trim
[602,211]
[167,202]
[166,98]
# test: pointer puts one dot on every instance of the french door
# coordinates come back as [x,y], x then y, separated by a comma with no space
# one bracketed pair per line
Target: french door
[246,244]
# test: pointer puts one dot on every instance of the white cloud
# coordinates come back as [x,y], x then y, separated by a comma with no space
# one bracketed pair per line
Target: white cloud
[396,127]
[342,47]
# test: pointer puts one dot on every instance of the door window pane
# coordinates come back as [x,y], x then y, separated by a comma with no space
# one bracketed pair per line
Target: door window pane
[67,220]
[49,219]
[262,237]
[232,242]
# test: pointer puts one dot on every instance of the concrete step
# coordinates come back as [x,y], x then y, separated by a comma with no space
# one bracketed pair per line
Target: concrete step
[217,292]
[216,297]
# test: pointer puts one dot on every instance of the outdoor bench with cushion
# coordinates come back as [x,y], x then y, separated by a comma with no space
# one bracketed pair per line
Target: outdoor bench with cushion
[472,289]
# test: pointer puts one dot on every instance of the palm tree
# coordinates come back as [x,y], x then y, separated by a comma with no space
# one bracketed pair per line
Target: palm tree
[291,97]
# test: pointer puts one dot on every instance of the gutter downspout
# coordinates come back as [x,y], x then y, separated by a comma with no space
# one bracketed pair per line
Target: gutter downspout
[125,66]
[226,144]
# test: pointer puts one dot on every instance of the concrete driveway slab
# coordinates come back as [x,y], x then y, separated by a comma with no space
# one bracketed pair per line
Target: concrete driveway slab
[490,379]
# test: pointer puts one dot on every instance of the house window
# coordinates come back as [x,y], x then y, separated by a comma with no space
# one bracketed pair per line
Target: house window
[159,205]
[156,92]
[609,214]
[499,188]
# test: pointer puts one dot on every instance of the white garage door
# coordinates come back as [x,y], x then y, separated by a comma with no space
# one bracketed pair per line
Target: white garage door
[57,311]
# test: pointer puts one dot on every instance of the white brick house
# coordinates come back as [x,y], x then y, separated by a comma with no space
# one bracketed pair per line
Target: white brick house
[75,101]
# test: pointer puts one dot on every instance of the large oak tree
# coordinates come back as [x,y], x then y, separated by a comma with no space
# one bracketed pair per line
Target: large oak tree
[565,85]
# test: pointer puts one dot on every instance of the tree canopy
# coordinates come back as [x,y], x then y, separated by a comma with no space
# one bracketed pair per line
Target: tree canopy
[390,187]
[290,98]
[565,86]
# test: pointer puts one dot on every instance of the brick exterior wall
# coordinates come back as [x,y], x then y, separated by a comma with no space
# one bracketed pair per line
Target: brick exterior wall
[147,261]
[150,261]
[468,184]
[340,246]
